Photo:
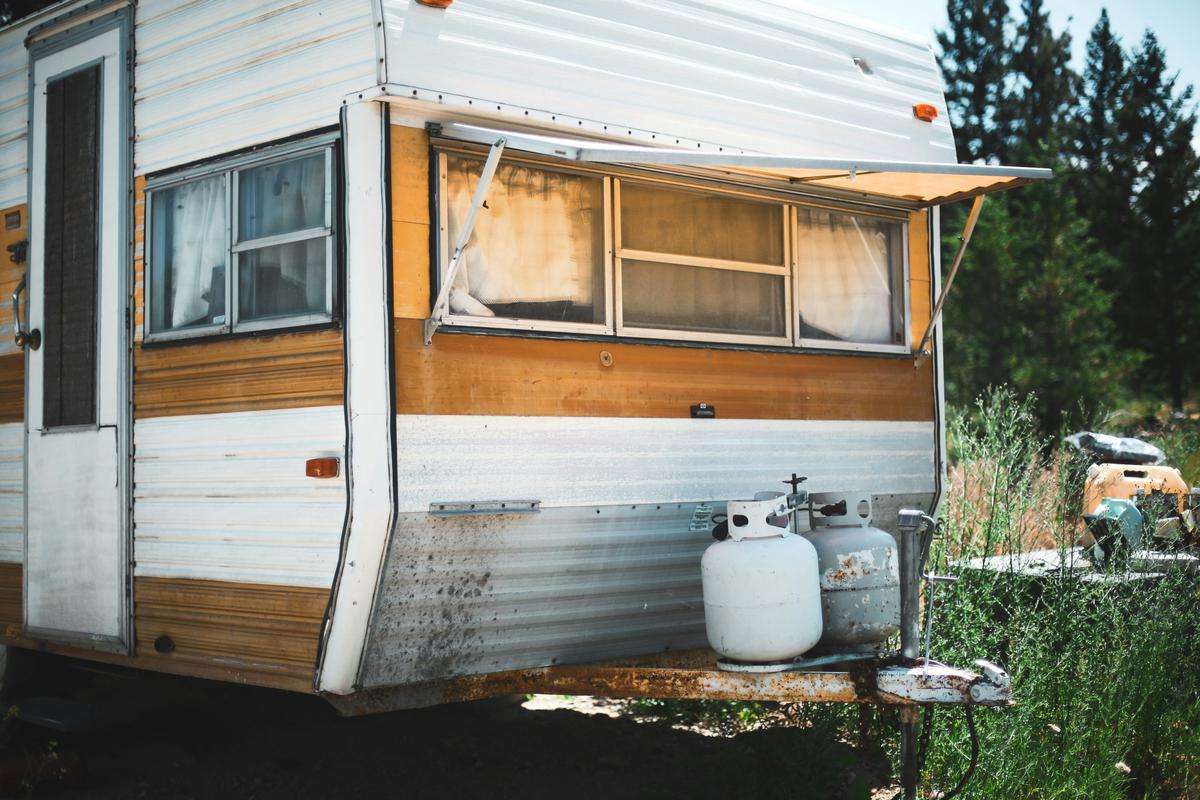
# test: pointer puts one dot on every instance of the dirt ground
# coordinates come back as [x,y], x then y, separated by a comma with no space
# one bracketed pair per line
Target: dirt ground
[193,739]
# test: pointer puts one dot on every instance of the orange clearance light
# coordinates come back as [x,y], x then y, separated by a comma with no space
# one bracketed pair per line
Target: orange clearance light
[436,3]
[321,468]
[927,112]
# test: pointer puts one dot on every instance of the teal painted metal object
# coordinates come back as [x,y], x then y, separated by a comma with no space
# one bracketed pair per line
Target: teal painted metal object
[1117,526]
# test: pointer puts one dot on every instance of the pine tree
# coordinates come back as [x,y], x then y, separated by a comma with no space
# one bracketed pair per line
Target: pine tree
[1045,88]
[1104,93]
[974,62]
[1105,166]
[1031,310]
[1161,276]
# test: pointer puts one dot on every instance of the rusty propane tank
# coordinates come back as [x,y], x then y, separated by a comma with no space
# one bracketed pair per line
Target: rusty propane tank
[860,574]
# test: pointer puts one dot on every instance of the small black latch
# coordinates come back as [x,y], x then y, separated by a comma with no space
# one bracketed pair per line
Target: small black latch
[704,411]
[18,251]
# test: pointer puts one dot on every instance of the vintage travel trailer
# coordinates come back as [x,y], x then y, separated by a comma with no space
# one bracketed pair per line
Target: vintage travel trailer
[400,351]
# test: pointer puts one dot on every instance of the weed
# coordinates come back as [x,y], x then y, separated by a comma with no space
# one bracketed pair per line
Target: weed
[1104,672]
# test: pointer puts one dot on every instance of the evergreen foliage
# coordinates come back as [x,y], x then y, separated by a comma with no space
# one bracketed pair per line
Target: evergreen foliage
[1086,290]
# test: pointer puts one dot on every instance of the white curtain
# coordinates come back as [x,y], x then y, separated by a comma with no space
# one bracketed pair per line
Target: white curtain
[846,264]
[197,220]
[533,243]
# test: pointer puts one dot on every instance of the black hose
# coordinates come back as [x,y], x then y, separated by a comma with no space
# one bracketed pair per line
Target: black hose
[962,782]
[926,735]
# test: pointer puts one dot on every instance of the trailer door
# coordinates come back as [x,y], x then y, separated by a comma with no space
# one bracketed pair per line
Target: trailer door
[76,554]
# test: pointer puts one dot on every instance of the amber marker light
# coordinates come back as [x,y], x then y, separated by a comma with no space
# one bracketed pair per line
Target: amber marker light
[926,112]
[321,468]
[436,3]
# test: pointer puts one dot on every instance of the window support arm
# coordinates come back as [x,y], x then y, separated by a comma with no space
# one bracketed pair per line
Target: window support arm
[964,240]
[441,304]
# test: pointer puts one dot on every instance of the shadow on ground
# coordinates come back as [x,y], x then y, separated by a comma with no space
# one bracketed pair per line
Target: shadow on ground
[193,739]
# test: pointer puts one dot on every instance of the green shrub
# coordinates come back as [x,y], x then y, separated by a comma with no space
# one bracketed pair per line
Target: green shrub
[1106,676]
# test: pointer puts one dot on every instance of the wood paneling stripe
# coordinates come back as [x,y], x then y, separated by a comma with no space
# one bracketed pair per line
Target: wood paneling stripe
[269,632]
[410,221]
[919,273]
[509,375]
[12,387]
[12,613]
[295,370]
[243,633]
[139,254]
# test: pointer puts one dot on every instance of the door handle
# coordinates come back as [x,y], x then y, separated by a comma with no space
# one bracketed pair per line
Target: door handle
[31,339]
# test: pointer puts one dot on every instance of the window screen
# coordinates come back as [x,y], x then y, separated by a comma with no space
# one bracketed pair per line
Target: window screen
[70,266]
[537,248]
[849,277]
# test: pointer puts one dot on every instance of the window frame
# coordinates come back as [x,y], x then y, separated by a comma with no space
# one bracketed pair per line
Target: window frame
[614,326]
[229,169]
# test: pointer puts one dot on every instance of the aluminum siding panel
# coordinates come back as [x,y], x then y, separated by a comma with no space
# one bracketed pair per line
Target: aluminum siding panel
[12,488]
[576,461]
[485,594]
[215,76]
[751,74]
[610,567]
[224,496]
[14,115]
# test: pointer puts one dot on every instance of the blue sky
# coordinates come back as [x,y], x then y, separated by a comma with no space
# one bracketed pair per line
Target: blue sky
[1175,22]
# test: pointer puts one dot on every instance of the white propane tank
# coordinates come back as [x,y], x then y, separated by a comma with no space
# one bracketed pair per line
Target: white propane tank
[762,596]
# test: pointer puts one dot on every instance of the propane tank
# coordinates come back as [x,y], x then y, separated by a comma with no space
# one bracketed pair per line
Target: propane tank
[860,574]
[762,602]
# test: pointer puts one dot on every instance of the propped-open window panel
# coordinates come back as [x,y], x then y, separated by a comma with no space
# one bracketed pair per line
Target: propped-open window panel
[537,256]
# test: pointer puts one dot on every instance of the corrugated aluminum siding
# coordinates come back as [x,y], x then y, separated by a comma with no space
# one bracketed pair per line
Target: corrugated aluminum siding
[574,461]
[215,76]
[469,595]
[14,116]
[750,74]
[611,567]
[224,496]
[12,487]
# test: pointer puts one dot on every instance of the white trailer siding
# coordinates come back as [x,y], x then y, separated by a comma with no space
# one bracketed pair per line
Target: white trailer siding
[12,488]
[749,74]
[224,496]
[212,77]
[14,116]
[583,461]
